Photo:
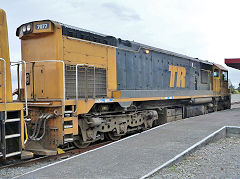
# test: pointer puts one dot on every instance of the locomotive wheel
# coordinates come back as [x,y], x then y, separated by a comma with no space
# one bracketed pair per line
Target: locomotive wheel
[78,142]
[112,136]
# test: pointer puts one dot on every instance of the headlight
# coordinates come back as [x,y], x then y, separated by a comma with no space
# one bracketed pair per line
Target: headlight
[24,28]
[147,51]
[29,27]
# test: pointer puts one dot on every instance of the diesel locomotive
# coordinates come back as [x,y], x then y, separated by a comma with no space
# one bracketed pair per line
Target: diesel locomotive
[79,86]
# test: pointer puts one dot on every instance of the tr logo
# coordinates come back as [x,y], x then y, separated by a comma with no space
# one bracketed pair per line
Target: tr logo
[181,73]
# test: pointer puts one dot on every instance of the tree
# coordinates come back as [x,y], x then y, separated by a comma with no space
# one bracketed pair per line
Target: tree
[232,90]
[231,87]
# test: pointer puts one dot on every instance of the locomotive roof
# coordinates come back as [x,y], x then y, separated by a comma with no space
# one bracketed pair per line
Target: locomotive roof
[81,33]
[220,67]
[133,44]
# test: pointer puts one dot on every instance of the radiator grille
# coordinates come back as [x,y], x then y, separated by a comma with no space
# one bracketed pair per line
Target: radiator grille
[85,82]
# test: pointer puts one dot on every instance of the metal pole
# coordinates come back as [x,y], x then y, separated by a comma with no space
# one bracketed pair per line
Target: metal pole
[77,83]
[94,90]
[86,84]
[18,76]
[64,95]
[25,86]
[33,89]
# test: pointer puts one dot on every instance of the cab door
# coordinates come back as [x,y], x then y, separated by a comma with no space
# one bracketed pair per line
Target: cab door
[225,89]
[216,79]
[39,81]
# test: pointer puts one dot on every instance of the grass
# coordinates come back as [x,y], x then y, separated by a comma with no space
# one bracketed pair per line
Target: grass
[173,168]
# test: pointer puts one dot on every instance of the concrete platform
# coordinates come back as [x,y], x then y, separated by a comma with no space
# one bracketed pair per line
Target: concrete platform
[235,98]
[134,157]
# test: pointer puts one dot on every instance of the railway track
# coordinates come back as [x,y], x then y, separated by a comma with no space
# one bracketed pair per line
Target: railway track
[25,163]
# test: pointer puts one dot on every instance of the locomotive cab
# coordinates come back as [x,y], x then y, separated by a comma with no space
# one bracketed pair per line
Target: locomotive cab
[220,79]
[220,87]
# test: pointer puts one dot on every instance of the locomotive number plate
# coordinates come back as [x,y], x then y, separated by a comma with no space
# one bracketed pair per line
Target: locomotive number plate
[42,26]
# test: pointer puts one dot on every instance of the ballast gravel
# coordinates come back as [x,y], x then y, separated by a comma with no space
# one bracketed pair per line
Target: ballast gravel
[220,159]
[17,171]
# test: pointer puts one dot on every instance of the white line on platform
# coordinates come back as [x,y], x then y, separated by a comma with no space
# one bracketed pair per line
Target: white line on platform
[181,154]
[91,150]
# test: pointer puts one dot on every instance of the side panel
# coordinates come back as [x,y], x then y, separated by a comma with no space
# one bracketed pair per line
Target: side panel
[153,71]
[100,56]
[155,74]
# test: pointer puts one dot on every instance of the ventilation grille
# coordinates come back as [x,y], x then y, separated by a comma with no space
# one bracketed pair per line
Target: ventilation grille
[86,82]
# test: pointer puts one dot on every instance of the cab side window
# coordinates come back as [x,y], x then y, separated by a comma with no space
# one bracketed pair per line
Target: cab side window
[216,73]
[225,75]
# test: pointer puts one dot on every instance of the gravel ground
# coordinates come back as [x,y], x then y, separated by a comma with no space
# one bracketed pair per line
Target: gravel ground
[16,171]
[220,159]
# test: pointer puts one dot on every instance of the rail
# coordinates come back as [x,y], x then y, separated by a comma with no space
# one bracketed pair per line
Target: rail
[68,153]
[5,110]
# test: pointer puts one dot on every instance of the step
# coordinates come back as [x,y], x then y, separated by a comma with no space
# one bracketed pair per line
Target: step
[27,119]
[68,112]
[67,126]
[66,140]
[68,118]
[68,131]
[12,120]
[12,136]
[13,154]
[71,128]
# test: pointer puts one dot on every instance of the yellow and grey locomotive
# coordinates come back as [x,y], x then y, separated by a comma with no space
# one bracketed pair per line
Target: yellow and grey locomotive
[77,86]
[80,86]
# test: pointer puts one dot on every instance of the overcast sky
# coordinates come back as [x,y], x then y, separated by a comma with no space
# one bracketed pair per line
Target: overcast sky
[204,29]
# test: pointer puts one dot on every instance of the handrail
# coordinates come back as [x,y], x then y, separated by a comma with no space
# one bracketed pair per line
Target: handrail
[25,85]
[94,82]
[5,106]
